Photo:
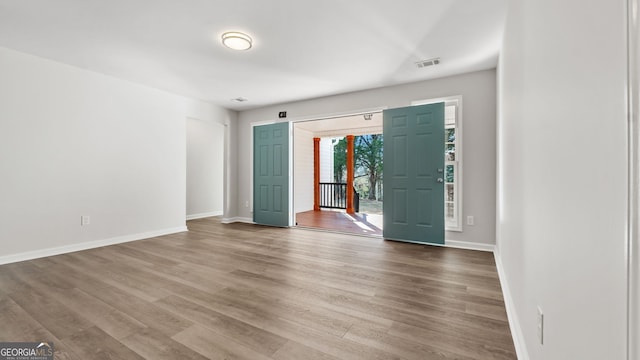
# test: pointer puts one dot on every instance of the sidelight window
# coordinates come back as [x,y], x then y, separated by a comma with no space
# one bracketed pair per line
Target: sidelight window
[452,160]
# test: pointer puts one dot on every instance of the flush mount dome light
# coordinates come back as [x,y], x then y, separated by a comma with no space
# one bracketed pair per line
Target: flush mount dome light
[237,40]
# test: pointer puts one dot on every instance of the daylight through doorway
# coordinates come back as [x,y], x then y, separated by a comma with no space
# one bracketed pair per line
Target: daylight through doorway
[323,144]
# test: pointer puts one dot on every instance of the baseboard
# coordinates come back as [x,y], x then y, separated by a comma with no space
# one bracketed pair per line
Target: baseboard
[204,215]
[237,219]
[514,322]
[469,245]
[30,255]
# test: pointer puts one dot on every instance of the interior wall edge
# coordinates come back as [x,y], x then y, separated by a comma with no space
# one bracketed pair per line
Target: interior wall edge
[514,323]
[633,208]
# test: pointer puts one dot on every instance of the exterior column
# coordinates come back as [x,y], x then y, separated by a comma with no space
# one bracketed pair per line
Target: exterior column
[350,170]
[316,174]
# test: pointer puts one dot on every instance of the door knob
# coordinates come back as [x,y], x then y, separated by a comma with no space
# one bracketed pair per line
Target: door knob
[440,180]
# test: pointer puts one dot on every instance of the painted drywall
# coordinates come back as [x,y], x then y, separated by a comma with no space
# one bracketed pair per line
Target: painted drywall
[213,117]
[74,143]
[205,168]
[303,169]
[562,177]
[478,90]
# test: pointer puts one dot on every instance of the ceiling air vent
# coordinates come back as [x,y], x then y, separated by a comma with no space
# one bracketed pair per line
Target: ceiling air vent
[424,63]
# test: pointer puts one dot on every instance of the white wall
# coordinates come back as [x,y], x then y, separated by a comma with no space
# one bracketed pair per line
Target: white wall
[479,100]
[562,176]
[73,143]
[303,170]
[205,165]
[326,160]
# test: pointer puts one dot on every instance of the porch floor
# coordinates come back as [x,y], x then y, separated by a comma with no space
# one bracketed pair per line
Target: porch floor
[338,220]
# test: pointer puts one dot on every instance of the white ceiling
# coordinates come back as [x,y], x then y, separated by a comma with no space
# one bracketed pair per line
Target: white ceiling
[343,126]
[302,49]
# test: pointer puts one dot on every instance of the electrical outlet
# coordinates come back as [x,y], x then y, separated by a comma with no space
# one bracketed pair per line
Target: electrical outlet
[246,203]
[540,326]
[85,220]
[470,220]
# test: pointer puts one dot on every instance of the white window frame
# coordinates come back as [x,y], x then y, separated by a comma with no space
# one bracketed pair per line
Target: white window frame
[456,223]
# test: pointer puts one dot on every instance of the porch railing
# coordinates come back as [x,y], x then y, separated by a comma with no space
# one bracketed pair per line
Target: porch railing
[334,196]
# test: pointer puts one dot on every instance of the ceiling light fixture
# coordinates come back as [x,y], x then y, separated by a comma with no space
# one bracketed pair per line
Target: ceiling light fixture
[237,40]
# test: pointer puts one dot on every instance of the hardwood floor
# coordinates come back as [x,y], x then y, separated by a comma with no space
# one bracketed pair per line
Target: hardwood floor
[249,292]
[359,224]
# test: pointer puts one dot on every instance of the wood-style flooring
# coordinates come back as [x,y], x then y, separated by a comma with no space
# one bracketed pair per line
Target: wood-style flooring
[359,224]
[244,291]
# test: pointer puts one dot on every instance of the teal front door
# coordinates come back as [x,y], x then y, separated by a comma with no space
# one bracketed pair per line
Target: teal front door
[271,174]
[413,207]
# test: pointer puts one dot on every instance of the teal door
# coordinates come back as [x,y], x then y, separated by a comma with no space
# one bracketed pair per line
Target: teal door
[271,174]
[413,207]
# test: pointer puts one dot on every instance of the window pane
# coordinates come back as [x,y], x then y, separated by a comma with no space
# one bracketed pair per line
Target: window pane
[450,135]
[450,152]
[450,114]
[450,211]
[450,193]
[449,174]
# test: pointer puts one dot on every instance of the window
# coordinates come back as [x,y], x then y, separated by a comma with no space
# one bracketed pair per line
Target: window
[452,160]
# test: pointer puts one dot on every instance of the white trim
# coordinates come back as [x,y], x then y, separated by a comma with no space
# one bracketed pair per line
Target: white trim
[454,244]
[204,215]
[290,184]
[469,245]
[237,219]
[30,255]
[514,323]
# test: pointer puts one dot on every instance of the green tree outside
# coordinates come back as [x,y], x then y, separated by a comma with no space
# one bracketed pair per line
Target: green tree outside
[368,162]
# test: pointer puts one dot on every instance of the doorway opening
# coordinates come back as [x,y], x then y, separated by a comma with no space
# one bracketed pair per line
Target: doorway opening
[334,193]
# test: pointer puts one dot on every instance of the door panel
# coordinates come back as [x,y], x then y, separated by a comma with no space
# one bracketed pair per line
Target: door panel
[271,174]
[424,214]
[413,207]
